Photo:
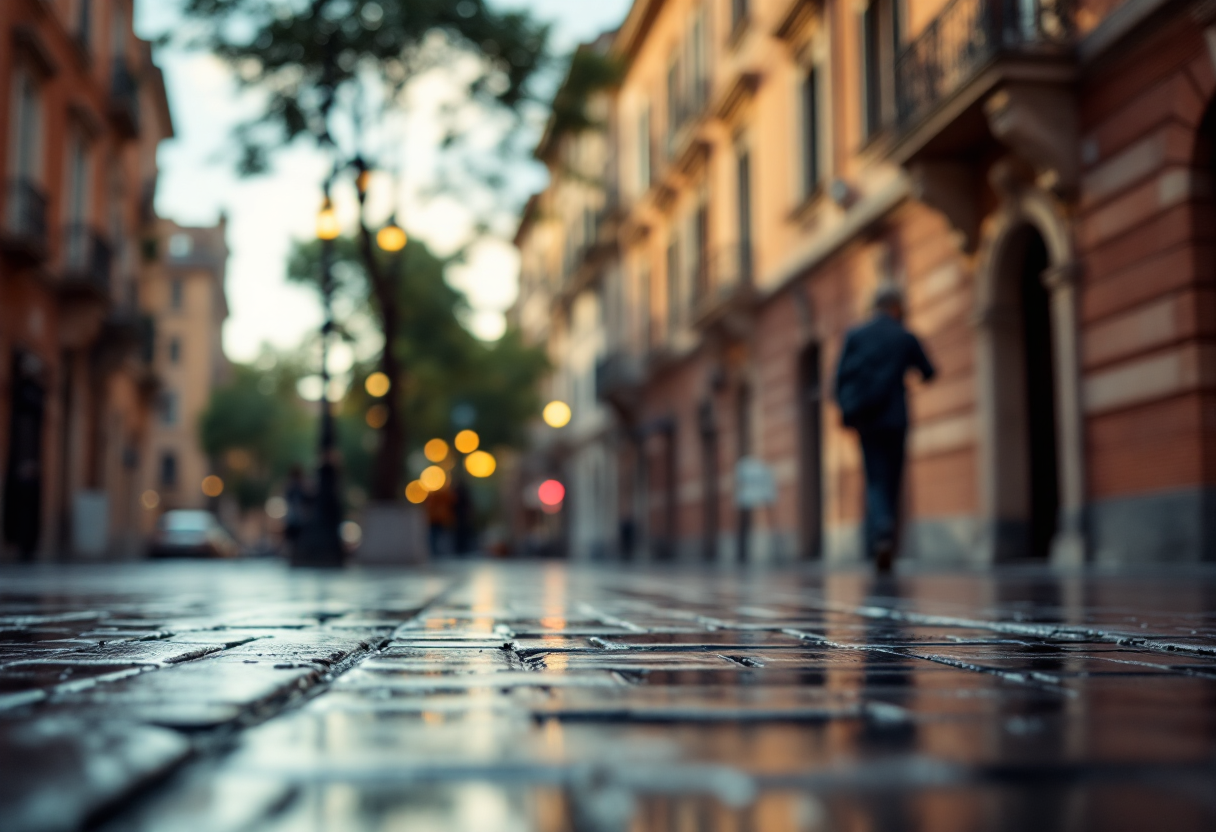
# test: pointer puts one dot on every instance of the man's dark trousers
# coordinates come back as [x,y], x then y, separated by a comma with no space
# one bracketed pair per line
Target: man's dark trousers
[883,452]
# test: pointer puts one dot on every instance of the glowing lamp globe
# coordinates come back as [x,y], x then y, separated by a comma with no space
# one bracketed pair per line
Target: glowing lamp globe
[378,385]
[480,464]
[328,227]
[556,414]
[391,238]
[416,492]
[467,441]
[433,478]
[436,450]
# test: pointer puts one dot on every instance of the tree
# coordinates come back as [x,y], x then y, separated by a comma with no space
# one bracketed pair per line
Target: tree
[497,383]
[326,67]
[256,427]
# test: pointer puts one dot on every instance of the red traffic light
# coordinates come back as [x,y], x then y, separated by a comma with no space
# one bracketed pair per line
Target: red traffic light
[551,492]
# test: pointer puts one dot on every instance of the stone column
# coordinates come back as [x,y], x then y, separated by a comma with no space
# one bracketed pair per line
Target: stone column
[1069,548]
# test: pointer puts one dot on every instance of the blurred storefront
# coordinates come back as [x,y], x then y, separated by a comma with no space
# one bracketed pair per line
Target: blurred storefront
[82,111]
[1036,176]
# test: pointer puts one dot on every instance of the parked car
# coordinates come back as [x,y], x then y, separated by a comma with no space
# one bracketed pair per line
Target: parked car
[183,533]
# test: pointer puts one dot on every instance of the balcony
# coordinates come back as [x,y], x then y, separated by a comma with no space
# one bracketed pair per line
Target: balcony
[724,292]
[618,381]
[124,100]
[87,262]
[973,47]
[25,229]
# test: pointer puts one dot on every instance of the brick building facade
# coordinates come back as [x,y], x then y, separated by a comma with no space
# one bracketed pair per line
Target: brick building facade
[1036,176]
[82,110]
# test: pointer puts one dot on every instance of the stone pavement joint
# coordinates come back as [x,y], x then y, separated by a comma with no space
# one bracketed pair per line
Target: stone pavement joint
[231,697]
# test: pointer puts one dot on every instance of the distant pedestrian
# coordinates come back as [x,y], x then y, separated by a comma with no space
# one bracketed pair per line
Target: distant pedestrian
[296,497]
[873,401]
[462,515]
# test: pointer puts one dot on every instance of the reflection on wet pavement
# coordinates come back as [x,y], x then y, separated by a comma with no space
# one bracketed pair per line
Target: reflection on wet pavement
[534,697]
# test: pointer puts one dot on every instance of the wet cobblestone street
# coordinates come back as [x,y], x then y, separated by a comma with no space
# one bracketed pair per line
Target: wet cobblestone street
[510,697]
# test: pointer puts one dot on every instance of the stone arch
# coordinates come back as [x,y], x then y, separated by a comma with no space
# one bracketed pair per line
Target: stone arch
[1026,214]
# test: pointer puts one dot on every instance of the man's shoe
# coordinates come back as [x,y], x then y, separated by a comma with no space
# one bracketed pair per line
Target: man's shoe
[884,556]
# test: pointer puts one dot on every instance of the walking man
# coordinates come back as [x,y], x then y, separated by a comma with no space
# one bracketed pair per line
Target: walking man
[873,401]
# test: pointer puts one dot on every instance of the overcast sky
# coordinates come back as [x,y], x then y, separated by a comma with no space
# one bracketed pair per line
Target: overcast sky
[265,213]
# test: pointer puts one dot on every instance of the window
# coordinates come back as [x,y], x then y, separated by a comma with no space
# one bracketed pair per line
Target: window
[181,246]
[79,179]
[175,351]
[168,470]
[84,23]
[698,62]
[743,179]
[168,408]
[674,298]
[175,293]
[810,133]
[27,119]
[644,171]
[871,70]
[738,13]
[644,306]
[881,40]
[674,105]
[118,33]
[700,251]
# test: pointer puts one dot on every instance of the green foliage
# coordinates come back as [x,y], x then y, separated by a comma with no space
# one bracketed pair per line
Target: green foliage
[445,365]
[309,56]
[256,427]
[591,71]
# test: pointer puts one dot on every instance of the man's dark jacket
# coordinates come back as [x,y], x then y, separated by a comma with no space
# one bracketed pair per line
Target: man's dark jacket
[870,377]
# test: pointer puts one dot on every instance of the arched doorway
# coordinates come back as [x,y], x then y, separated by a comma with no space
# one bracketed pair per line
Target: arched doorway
[810,452]
[1029,446]
[708,425]
[1038,386]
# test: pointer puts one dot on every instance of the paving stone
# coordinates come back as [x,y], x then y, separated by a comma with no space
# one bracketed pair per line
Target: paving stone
[564,699]
[58,772]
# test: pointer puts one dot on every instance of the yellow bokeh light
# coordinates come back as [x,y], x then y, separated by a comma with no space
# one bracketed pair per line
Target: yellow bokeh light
[328,227]
[416,492]
[557,414]
[480,464]
[150,499]
[436,450]
[213,486]
[377,416]
[467,441]
[433,478]
[378,385]
[391,238]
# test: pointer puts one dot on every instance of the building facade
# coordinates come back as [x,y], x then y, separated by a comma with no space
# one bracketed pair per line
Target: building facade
[567,274]
[1036,177]
[82,111]
[185,295]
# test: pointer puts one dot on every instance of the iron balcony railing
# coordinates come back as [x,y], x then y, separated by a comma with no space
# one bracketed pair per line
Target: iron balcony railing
[25,215]
[87,258]
[721,274]
[966,37]
[616,374]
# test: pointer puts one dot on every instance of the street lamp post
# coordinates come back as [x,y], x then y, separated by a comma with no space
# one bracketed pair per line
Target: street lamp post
[321,543]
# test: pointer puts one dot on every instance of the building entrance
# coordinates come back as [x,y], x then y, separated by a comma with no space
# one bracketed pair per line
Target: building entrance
[810,452]
[1036,386]
[23,479]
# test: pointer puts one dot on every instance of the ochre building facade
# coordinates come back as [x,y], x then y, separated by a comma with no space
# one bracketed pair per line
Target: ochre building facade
[82,110]
[1037,176]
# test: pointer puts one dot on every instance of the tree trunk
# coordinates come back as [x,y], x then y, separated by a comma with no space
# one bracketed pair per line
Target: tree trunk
[390,460]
